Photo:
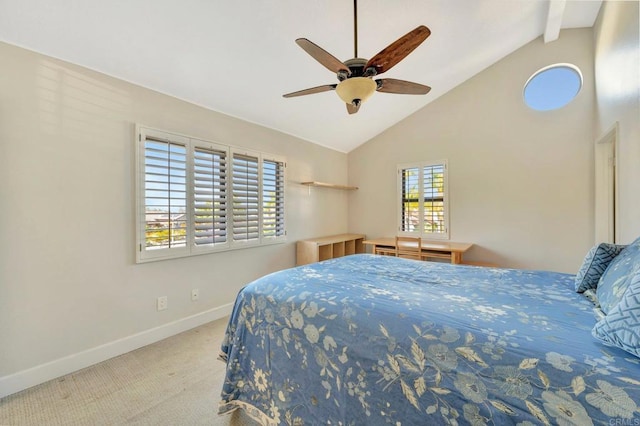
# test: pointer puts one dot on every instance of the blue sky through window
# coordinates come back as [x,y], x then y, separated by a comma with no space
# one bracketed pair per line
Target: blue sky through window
[552,87]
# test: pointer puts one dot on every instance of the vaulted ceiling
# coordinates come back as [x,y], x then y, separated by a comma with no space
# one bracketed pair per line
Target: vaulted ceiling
[239,57]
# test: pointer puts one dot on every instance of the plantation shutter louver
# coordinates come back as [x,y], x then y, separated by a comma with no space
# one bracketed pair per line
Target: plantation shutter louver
[272,199]
[209,197]
[165,192]
[246,197]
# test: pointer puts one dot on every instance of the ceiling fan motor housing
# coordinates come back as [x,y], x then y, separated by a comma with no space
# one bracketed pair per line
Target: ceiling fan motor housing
[356,69]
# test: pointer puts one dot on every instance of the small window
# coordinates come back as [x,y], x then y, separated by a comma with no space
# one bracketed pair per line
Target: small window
[423,200]
[552,87]
[197,197]
[165,194]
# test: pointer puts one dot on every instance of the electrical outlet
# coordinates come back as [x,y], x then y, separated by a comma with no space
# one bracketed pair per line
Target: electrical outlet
[195,294]
[162,303]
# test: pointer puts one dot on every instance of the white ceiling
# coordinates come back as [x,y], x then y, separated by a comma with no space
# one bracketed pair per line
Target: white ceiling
[239,57]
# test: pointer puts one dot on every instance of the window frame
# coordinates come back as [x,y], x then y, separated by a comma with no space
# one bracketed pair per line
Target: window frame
[445,203]
[143,133]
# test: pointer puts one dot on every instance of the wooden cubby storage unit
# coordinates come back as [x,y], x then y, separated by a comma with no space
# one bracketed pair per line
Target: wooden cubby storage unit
[318,249]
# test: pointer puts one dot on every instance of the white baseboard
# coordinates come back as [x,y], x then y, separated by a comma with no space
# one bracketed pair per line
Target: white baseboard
[39,374]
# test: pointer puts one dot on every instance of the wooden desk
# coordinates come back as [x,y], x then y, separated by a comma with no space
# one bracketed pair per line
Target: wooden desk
[430,249]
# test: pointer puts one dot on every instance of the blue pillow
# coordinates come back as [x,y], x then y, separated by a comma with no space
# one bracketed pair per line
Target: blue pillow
[594,265]
[621,326]
[617,277]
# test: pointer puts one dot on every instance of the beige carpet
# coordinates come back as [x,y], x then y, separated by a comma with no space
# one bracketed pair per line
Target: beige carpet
[176,381]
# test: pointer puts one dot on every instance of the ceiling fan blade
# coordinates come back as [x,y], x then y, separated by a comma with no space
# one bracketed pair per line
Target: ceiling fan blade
[398,50]
[391,85]
[325,58]
[352,109]
[311,91]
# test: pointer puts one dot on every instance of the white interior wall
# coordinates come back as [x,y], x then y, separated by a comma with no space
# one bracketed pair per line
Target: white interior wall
[520,181]
[617,69]
[70,292]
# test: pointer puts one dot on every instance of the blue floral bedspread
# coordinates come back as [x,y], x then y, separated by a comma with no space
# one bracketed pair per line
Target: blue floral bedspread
[376,340]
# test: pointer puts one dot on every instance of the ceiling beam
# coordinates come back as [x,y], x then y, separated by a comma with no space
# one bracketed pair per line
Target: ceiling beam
[554,20]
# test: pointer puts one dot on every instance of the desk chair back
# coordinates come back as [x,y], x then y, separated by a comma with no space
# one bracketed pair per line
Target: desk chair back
[409,247]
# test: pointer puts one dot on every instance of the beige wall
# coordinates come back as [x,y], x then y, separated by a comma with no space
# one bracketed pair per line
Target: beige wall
[520,180]
[68,281]
[617,69]
[521,187]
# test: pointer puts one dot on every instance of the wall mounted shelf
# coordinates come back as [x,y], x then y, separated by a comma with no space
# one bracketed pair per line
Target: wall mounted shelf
[329,185]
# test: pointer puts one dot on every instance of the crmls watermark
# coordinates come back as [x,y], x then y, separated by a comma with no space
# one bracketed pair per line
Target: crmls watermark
[617,421]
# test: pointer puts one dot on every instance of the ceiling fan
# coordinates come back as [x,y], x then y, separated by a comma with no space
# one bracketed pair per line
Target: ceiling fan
[355,75]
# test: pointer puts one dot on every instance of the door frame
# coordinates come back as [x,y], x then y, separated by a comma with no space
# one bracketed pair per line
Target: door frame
[606,187]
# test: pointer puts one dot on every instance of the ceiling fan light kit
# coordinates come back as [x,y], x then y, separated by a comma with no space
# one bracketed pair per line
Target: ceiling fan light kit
[356,89]
[355,75]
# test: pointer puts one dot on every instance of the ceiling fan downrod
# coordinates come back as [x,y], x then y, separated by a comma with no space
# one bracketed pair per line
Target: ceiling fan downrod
[355,28]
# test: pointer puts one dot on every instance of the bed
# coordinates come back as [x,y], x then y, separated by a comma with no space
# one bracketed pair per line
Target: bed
[376,340]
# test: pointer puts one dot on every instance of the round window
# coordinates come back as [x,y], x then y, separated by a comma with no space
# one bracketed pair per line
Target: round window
[552,87]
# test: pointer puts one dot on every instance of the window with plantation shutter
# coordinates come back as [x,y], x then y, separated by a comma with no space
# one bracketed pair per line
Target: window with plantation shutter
[423,203]
[209,196]
[410,190]
[272,199]
[196,197]
[246,197]
[433,199]
[165,194]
